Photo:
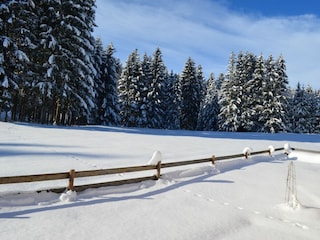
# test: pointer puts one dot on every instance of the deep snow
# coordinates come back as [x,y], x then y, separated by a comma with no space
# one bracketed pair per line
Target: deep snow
[237,199]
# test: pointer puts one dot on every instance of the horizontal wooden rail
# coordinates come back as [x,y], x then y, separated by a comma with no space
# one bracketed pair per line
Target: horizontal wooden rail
[306,150]
[72,174]
[114,171]
[34,178]
[213,159]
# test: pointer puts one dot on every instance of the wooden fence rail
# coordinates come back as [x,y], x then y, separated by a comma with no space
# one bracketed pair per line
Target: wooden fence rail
[72,174]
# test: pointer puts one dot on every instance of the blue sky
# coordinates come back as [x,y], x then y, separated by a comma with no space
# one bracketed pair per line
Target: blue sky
[208,31]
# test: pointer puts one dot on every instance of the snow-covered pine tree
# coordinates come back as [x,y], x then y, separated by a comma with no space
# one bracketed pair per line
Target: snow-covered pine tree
[209,110]
[233,95]
[219,81]
[145,87]
[249,62]
[275,103]
[190,96]
[313,110]
[129,91]
[172,102]
[100,66]
[108,72]
[15,39]
[254,95]
[228,103]
[157,92]
[66,38]
[110,104]
[317,111]
[300,111]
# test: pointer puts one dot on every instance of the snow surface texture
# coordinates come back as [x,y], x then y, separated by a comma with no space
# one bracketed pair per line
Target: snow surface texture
[236,199]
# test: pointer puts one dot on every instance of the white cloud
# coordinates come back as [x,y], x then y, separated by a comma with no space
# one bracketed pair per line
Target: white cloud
[209,32]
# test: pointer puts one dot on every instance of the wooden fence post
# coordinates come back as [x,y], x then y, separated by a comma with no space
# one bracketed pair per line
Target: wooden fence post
[72,174]
[213,158]
[158,170]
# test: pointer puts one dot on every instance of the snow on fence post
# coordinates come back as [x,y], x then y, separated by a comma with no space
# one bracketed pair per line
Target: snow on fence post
[271,150]
[287,149]
[72,174]
[246,152]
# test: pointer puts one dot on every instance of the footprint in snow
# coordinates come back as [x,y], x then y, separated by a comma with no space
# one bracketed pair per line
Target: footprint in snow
[301,226]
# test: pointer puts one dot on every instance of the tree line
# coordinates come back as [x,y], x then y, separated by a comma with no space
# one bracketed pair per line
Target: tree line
[53,71]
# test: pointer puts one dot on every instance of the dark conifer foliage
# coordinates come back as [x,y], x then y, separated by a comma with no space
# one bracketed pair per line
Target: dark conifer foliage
[129,92]
[191,92]
[16,39]
[157,92]
[209,109]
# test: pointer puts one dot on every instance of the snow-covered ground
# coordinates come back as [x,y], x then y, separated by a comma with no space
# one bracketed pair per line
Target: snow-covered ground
[238,199]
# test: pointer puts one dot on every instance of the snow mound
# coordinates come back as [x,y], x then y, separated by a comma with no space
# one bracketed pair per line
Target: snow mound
[271,149]
[68,196]
[156,157]
[247,151]
[287,148]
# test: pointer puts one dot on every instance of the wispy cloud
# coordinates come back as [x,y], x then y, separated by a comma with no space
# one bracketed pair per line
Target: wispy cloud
[208,32]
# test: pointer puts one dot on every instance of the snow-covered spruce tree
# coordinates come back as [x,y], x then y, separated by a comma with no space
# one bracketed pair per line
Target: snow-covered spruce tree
[248,103]
[66,38]
[254,95]
[129,91]
[109,108]
[274,114]
[300,111]
[227,101]
[209,110]
[15,40]
[233,95]
[190,96]
[145,87]
[100,66]
[219,81]
[317,112]
[157,91]
[172,102]
[312,117]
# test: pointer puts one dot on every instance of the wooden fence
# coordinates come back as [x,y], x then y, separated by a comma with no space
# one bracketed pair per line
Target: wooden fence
[72,174]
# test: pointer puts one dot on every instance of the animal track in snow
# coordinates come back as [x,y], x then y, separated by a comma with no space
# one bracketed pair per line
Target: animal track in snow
[255,212]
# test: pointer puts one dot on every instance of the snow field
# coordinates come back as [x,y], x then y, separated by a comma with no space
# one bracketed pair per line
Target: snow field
[236,199]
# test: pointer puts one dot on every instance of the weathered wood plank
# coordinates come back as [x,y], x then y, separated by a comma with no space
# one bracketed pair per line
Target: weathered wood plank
[114,171]
[114,183]
[306,150]
[182,163]
[34,178]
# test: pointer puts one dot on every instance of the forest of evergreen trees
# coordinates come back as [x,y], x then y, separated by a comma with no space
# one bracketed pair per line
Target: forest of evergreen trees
[53,71]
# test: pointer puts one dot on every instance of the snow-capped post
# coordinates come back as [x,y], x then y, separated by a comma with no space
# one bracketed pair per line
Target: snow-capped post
[271,150]
[287,149]
[72,174]
[156,161]
[246,152]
